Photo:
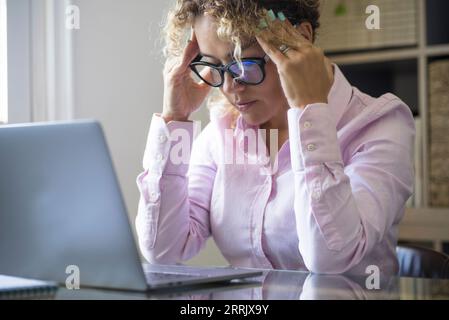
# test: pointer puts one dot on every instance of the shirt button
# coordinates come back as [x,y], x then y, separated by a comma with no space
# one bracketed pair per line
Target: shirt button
[311,147]
[316,195]
[307,125]
[159,157]
[154,196]
[162,138]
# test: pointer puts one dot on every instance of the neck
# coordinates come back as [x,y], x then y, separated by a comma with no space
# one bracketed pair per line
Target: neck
[279,122]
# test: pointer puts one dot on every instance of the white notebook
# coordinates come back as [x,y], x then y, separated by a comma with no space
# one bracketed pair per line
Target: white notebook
[13,287]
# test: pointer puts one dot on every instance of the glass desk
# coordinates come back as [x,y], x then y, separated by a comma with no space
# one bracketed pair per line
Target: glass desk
[285,285]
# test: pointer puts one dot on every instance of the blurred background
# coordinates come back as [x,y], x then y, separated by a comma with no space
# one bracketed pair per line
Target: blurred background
[101,59]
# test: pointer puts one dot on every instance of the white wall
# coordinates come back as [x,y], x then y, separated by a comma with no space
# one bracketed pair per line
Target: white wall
[118,80]
[19,61]
[3,64]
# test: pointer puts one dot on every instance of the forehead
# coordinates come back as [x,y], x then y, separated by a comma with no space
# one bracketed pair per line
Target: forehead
[209,43]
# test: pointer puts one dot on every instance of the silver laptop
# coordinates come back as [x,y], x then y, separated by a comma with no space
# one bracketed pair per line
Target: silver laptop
[61,211]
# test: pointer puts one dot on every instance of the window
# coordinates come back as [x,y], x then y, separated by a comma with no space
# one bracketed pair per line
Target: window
[3,65]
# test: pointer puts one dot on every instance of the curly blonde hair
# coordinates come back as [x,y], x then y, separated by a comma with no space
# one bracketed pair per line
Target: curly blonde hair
[237,22]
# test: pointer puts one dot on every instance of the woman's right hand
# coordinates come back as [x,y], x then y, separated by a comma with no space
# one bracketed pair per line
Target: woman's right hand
[182,95]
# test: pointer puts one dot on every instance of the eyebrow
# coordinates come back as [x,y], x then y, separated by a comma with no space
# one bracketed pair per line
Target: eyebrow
[248,45]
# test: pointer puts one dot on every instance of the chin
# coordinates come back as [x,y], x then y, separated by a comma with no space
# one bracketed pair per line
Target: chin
[253,120]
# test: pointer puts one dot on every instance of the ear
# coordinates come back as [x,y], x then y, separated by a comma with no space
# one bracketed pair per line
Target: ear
[305,28]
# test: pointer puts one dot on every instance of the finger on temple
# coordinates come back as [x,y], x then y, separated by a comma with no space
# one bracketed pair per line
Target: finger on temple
[271,50]
[191,51]
[294,30]
[293,33]
[277,34]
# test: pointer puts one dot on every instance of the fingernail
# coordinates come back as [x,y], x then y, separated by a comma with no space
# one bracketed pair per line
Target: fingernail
[271,15]
[281,16]
[263,24]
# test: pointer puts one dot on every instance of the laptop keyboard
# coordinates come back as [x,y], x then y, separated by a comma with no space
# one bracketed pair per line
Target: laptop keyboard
[163,276]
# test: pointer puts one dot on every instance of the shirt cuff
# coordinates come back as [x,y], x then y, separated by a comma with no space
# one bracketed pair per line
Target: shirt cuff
[168,146]
[313,136]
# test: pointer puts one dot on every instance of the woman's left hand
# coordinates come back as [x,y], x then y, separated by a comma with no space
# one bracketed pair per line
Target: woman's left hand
[305,73]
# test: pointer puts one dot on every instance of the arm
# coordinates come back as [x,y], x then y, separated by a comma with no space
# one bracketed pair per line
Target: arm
[343,212]
[173,215]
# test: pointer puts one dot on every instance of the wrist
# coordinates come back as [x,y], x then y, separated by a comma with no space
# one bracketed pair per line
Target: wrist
[304,104]
[171,117]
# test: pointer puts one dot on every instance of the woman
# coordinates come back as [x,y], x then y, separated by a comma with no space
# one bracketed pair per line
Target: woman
[332,197]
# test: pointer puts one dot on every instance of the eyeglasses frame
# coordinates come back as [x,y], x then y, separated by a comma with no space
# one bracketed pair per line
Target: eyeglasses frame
[261,62]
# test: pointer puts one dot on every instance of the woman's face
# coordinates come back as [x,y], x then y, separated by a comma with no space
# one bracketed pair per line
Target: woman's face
[270,103]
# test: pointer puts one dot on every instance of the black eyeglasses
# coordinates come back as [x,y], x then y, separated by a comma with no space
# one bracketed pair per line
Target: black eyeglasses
[252,73]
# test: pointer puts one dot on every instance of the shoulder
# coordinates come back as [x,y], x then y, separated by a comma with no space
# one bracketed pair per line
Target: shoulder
[382,123]
[386,116]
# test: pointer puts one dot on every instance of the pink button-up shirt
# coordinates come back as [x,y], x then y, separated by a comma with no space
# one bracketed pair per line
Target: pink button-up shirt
[330,203]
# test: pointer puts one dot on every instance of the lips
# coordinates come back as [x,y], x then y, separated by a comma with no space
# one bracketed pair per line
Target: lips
[244,106]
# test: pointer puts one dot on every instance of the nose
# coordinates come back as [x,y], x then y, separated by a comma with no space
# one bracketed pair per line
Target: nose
[230,85]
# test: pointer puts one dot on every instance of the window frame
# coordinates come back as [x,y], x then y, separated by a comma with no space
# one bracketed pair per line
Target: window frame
[3,63]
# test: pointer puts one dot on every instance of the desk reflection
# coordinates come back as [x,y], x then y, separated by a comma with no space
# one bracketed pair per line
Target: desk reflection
[292,285]
[285,285]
